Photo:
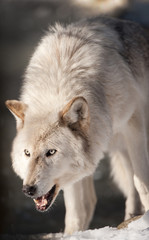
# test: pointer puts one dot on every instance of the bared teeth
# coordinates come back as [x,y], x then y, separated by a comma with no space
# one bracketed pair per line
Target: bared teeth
[42,202]
[36,201]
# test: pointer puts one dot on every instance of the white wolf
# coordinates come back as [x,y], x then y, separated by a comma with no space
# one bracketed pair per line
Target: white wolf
[86,92]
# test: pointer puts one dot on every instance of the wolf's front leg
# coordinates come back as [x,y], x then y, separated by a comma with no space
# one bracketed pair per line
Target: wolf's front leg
[80,201]
[136,139]
[122,173]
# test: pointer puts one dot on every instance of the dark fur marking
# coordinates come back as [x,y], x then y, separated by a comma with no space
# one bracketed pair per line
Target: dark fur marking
[77,131]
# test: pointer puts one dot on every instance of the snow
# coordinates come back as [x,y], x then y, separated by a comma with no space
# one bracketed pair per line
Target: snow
[136,230]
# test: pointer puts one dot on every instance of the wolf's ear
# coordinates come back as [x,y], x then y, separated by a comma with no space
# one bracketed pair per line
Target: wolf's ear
[76,114]
[17,108]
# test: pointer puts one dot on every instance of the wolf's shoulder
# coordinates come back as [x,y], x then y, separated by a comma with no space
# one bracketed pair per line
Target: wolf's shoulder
[127,37]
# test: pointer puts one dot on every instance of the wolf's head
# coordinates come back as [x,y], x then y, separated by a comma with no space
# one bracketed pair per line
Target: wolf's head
[51,151]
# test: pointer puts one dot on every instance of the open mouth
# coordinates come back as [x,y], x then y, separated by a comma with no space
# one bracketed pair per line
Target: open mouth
[43,203]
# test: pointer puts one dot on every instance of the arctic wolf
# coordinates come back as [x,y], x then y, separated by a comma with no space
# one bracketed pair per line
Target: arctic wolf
[85,92]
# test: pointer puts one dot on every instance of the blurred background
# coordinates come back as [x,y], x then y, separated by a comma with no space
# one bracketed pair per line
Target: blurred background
[22,23]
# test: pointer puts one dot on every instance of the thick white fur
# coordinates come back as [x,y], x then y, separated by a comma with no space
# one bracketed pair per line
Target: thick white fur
[80,201]
[89,60]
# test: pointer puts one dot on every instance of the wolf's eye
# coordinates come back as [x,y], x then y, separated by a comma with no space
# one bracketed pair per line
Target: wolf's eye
[50,152]
[27,153]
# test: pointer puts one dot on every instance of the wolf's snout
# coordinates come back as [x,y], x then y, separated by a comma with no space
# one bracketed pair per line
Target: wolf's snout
[29,190]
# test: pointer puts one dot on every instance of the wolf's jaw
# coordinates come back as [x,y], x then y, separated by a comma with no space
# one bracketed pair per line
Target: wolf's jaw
[44,202]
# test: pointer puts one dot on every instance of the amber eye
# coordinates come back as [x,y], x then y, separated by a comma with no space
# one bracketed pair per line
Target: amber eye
[27,153]
[50,152]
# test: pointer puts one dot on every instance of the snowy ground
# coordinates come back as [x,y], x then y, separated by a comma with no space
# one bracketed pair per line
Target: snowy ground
[136,230]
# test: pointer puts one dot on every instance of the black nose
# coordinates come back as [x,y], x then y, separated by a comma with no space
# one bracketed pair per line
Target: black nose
[29,190]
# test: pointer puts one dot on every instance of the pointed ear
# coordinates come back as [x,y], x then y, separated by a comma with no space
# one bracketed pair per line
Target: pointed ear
[17,108]
[76,114]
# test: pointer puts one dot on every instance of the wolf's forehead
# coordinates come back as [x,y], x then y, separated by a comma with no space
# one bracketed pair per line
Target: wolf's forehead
[43,133]
[48,132]
[40,132]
